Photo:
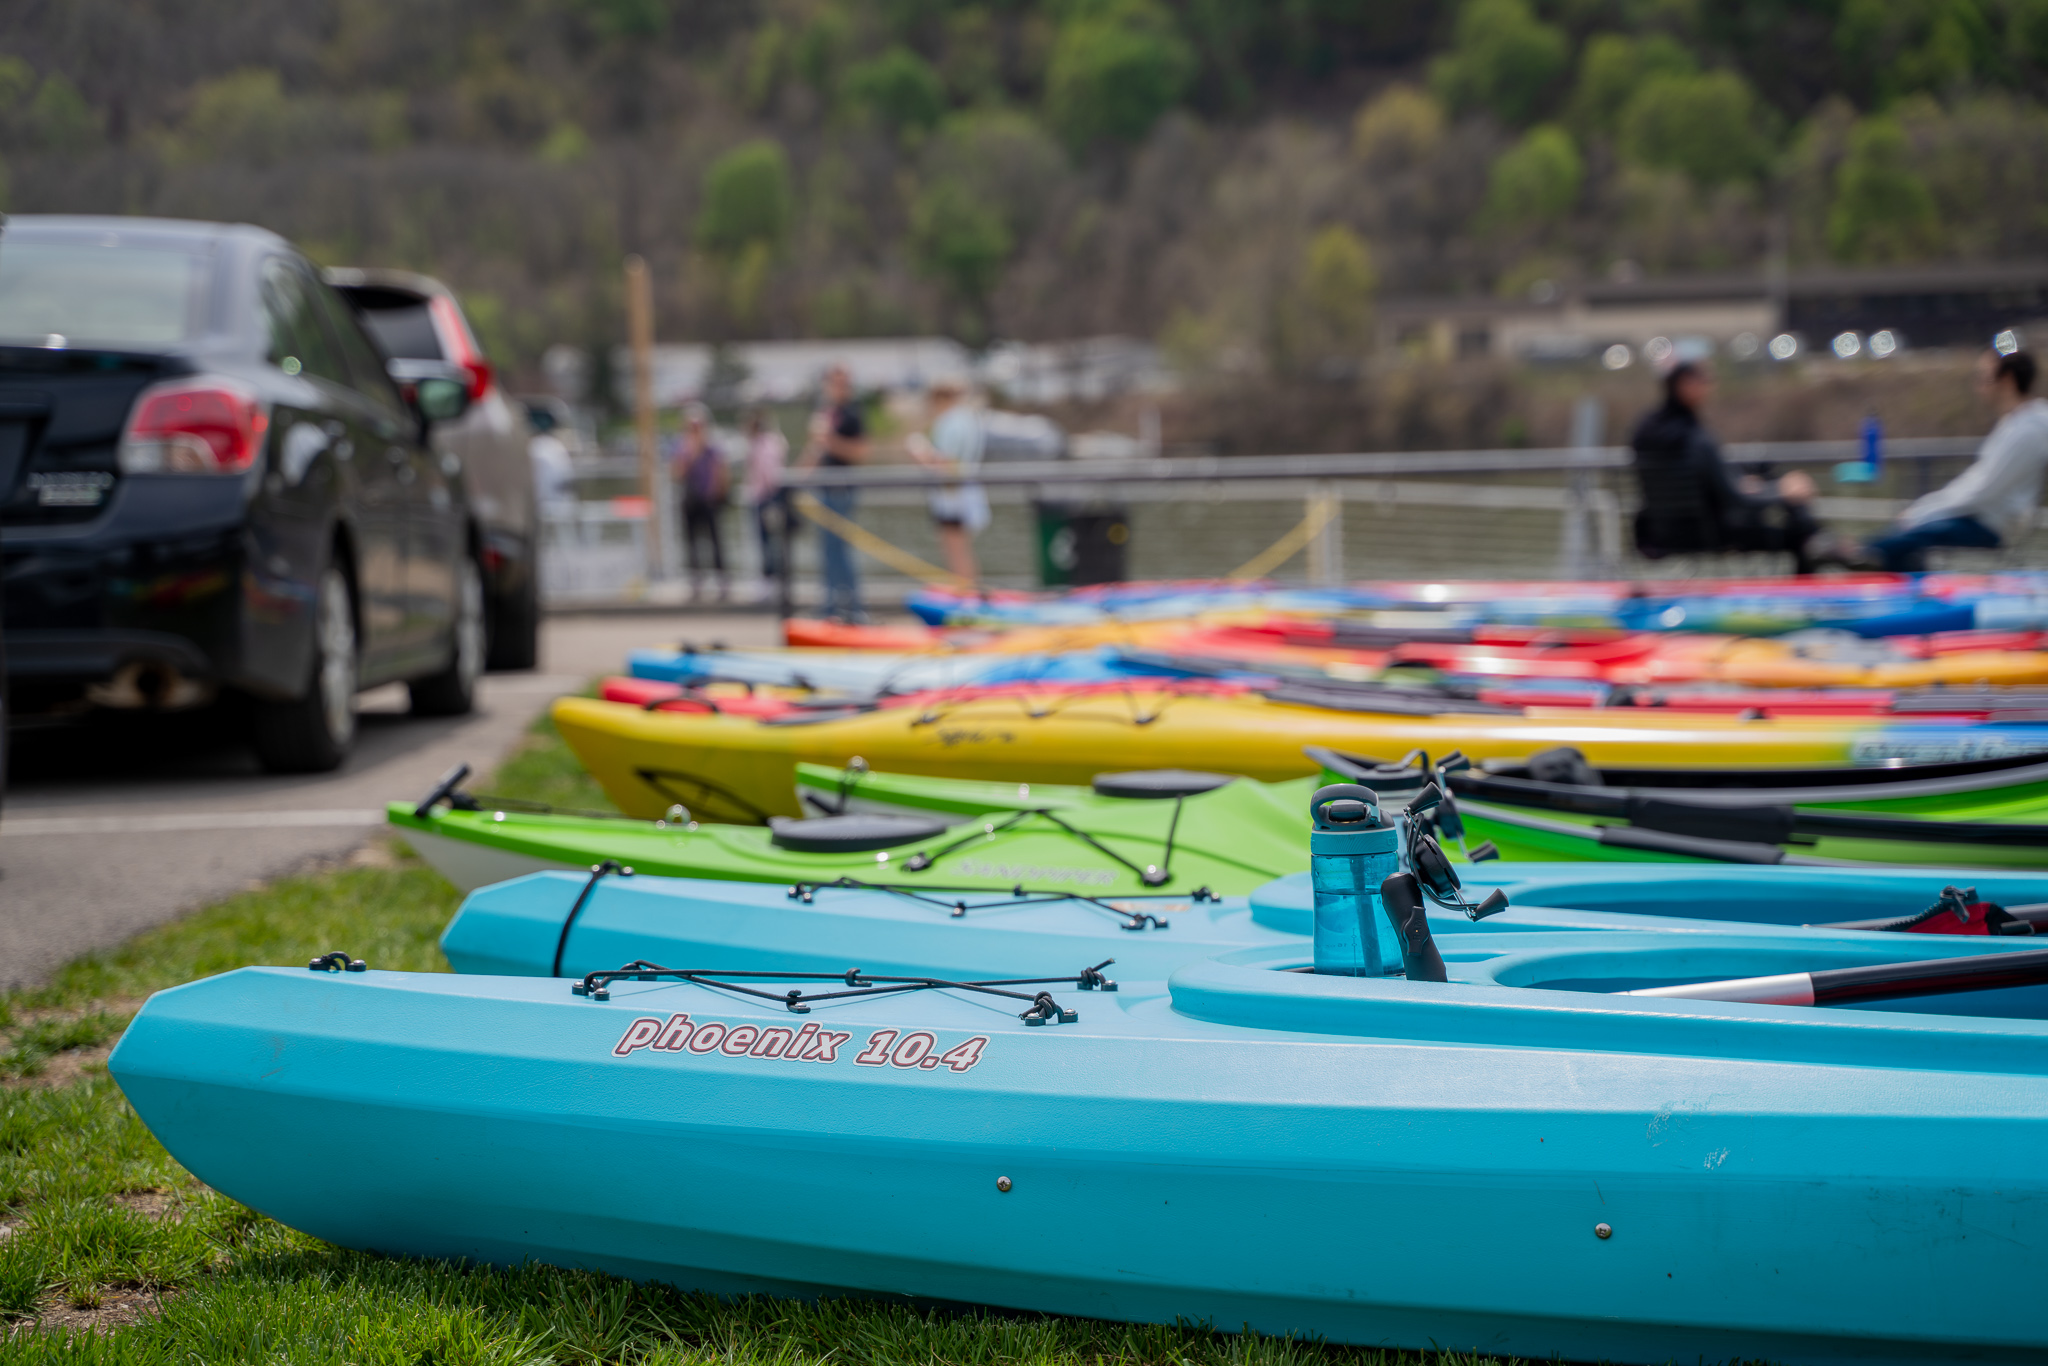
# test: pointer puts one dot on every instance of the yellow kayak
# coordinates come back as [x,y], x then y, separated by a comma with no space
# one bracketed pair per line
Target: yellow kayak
[732,768]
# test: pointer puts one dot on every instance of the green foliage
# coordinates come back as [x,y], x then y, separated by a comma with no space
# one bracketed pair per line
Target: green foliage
[1891,48]
[1327,313]
[962,241]
[972,61]
[747,200]
[901,89]
[820,50]
[1503,60]
[59,118]
[767,55]
[1883,209]
[565,145]
[1536,182]
[1005,158]
[1402,126]
[243,116]
[1706,125]
[628,21]
[1116,67]
[1613,67]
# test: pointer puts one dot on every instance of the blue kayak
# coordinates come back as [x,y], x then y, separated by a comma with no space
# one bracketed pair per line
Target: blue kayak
[1519,1160]
[868,673]
[1905,605]
[517,928]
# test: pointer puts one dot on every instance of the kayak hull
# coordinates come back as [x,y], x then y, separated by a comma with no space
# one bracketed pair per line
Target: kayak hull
[514,928]
[1226,841]
[732,769]
[1381,1177]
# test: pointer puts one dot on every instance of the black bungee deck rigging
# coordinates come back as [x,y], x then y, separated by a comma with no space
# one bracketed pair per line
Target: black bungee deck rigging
[1043,1008]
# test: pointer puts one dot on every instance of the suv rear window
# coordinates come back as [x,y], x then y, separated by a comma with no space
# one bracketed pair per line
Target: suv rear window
[100,292]
[405,331]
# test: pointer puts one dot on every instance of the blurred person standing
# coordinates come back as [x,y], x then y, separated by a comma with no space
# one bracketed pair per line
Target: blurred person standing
[1992,503]
[838,438]
[554,473]
[954,447]
[767,454]
[1693,502]
[701,476]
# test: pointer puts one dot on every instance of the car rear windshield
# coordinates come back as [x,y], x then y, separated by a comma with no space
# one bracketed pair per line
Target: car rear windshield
[404,331]
[103,291]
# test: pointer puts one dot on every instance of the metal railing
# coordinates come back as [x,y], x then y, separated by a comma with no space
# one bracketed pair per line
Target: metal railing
[1559,511]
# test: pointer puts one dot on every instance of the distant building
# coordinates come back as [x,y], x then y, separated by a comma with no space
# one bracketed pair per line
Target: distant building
[1086,370]
[1033,373]
[1922,306]
[789,371]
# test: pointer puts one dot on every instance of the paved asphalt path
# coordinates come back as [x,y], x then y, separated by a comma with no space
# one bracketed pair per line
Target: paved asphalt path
[107,833]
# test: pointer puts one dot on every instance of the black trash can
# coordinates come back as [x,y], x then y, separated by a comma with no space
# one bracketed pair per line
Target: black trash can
[1081,543]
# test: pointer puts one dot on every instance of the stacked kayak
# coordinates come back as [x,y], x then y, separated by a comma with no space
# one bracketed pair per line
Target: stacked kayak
[1127,834]
[1176,831]
[737,769]
[1558,806]
[1530,1157]
[1871,605]
[1814,659]
[564,924]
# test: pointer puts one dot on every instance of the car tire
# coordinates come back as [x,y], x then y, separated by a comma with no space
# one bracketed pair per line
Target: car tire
[515,627]
[452,692]
[314,732]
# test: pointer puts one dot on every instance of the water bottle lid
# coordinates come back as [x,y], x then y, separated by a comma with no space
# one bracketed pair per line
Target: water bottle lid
[1344,808]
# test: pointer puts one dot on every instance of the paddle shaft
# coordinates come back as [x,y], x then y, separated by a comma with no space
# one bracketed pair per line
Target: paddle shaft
[1878,982]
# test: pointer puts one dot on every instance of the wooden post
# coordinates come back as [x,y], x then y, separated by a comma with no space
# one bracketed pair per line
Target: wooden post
[640,332]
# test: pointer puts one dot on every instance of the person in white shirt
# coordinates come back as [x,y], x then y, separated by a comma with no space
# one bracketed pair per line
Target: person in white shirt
[767,454]
[1992,503]
[554,472]
[959,507]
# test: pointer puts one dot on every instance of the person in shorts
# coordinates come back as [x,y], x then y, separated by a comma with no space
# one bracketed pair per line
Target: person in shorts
[953,444]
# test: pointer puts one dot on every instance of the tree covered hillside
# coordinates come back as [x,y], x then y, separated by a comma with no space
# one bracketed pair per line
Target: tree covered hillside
[1240,178]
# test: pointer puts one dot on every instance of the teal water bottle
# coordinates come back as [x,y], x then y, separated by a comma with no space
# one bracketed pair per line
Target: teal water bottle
[1352,849]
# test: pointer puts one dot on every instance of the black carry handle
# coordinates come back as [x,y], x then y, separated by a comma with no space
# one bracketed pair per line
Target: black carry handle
[449,790]
[1402,896]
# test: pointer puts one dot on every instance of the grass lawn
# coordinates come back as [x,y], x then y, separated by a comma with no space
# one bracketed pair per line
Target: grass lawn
[110,1252]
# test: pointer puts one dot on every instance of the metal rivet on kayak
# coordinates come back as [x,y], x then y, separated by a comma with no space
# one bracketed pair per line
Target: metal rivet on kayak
[1003,1184]
[882,857]
[497,815]
[1603,1231]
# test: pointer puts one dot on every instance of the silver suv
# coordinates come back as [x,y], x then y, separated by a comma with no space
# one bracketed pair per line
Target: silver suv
[416,318]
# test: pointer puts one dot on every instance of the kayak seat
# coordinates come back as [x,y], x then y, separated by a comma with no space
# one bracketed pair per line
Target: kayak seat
[1158,784]
[855,834]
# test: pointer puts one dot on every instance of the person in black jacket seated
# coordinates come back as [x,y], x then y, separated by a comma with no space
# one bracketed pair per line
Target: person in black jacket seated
[1692,501]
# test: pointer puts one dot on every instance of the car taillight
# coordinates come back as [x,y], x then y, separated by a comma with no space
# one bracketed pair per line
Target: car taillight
[194,426]
[459,345]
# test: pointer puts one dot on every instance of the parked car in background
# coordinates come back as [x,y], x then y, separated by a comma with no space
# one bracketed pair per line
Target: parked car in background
[416,319]
[210,485]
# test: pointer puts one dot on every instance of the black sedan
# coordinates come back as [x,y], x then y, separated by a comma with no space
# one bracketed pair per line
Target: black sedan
[211,487]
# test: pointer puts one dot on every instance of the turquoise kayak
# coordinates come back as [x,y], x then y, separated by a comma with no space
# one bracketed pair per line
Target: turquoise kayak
[1518,1160]
[518,928]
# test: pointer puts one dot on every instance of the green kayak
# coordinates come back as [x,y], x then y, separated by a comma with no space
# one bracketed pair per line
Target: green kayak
[1555,806]
[1168,833]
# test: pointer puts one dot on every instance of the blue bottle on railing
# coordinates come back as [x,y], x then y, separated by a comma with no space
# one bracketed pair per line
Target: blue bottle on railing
[1352,849]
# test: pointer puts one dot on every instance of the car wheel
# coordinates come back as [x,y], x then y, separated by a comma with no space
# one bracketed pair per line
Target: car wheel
[452,692]
[313,733]
[515,627]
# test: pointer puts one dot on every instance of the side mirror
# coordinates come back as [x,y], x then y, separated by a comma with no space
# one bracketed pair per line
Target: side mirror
[435,390]
[441,400]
